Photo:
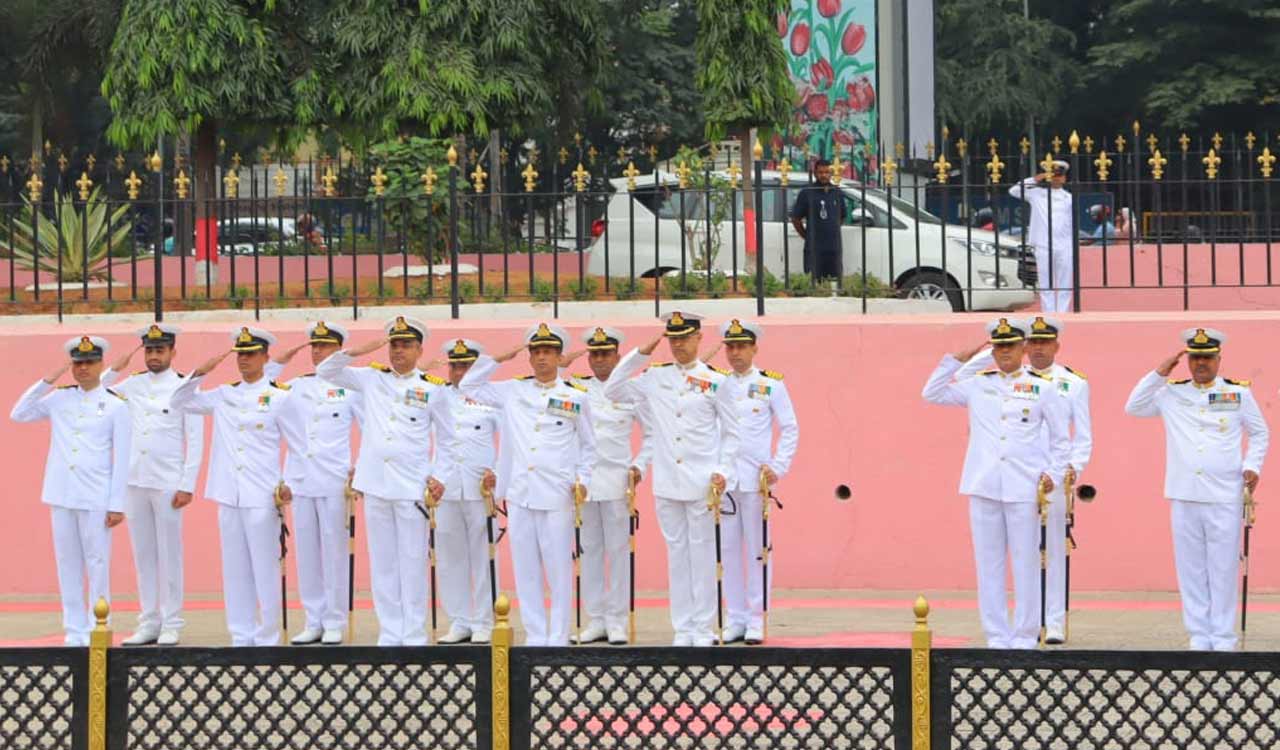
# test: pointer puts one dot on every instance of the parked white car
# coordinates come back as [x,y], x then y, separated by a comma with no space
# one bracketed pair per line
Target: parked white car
[967,267]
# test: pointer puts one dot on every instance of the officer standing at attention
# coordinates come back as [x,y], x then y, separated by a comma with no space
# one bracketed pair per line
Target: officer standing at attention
[606,523]
[84,476]
[462,523]
[246,481]
[549,448]
[760,399]
[1205,419]
[1043,344]
[695,433]
[168,446]
[1009,459]
[324,413]
[395,470]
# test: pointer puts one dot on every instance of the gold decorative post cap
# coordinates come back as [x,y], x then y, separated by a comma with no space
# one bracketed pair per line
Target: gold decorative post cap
[101,610]
[921,610]
[502,608]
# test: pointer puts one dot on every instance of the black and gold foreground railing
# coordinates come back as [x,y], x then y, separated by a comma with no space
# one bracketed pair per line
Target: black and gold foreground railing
[508,698]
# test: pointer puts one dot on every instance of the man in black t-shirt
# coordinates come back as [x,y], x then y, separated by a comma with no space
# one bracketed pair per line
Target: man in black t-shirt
[817,216]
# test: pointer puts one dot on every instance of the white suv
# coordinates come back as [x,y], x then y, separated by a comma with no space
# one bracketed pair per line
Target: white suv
[969,268]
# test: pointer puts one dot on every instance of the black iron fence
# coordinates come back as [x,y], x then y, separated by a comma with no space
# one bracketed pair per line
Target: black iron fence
[1166,221]
[502,698]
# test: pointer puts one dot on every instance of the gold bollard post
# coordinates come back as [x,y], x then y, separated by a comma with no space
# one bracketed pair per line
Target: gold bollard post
[500,643]
[921,644]
[99,642]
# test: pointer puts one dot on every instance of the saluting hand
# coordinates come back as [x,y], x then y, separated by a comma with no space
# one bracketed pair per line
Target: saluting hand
[505,356]
[707,357]
[284,357]
[366,348]
[1166,366]
[122,362]
[210,364]
[567,358]
[52,377]
[648,348]
[964,355]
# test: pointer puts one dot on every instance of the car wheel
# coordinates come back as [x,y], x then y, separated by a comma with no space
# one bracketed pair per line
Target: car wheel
[933,285]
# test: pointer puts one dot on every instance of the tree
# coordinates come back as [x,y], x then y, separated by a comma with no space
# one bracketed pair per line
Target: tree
[994,67]
[190,65]
[742,74]
[1194,64]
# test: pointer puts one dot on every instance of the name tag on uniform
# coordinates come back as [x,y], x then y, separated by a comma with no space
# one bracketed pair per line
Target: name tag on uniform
[1064,386]
[1028,391]
[416,397]
[335,394]
[563,407]
[1224,401]
[759,390]
[264,402]
[698,384]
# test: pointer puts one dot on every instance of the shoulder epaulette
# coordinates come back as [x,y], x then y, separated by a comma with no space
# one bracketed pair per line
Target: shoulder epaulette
[719,370]
[771,374]
[117,395]
[524,377]
[144,372]
[180,374]
[65,387]
[578,386]
[1075,372]
[380,367]
[433,379]
[1184,381]
[281,386]
[661,364]
[582,377]
[992,371]
[307,375]
[1035,374]
[1241,383]
[235,384]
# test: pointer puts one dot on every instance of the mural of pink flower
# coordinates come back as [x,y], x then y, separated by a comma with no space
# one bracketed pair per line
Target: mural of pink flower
[855,35]
[782,25]
[816,106]
[829,8]
[822,75]
[862,94]
[843,137]
[800,39]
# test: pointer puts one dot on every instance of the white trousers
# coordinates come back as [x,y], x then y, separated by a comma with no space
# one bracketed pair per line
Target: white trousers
[1055,599]
[542,547]
[397,532]
[1206,548]
[1055,291]
[81,544]
[606,562]
[155,535]
[689,530]
[251,574]
[1011,529]
[320,535]
[742,539]
[462,554]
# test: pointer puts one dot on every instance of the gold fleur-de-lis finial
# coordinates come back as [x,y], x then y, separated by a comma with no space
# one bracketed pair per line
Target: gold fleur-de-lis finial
[900,149]
[451,156]
[577,139]
[90,161]
[1217,141]
[837,169]
[181,184]
[592,153]
[428,180]
[1057,144]
[63,161]
[1152,142]
[784,172]
[653,153]
[379,181]
[1120,141]
[4,164]
[34,186]
[890,171]
[154,162]
[1073,142]
[530,176]
[48,147]
[757,150]
[993,146]
[630,173]
[478,176]
[564,156]
[1266,161]
[621,154]
[962,147]
[994,168]
[280,179]
[1157,163]
[473,155]
[928,150]
[942,167]
[329,181]
[1211,162]
[133,183]
[231,183]
[84,184]
[1088,144]
[580,177]
[1046,164]
[503,156]
[735,173]
[682,174]
[1184,141]
[1137,128]
[236,161]
[1103,164]
[946,136]
[1250,139]
[1025,145]
[119,162]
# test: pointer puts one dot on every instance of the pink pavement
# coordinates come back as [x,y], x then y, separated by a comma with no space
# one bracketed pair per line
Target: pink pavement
[856,385]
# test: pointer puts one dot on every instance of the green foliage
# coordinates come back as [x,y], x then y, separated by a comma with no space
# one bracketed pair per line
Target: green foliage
[742,68]
[237,296]
[78,235]
[407,207]
[696,284]
[853,287]
[584,289]
[467,291]
[337,293]
[543,290]
[624,288]
[773,285]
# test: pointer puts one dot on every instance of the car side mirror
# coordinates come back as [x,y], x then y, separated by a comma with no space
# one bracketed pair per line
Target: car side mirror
[860,218]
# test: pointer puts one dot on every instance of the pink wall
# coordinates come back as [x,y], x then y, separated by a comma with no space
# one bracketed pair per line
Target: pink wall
[856,384]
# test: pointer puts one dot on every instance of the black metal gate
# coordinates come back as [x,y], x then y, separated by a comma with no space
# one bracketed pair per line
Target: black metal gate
[44,698]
